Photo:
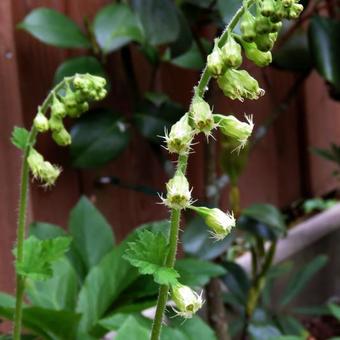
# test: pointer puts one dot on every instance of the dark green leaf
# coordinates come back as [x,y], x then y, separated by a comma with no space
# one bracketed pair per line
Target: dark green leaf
[293,55]
[324,37]
[291,326]
[148,253]
[45,231]
[197,242]
[263,220]
[84,64]
[263,332]
[103,285]
[197,273]
[50,324]
[98,137]
[237,281]
[115,26]
[301,278]
[334,310]
[54,28]
[92,234]
[39,255]
[312,310]
[159,19]
[20,137]
[58,292]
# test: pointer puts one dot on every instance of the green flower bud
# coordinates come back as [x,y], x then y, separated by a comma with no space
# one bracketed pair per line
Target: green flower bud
[187,301]
[93,87]
[42,170]
[180,137]
[267,7]
[55,123]
[263,25]
[259,58]
[231,127]
[71,100]
[232,53]
[201,116]
[287,3]
[58,108]
[295,11]
[178,192]
[237,84]
[247,26]
[219,222]
[215,62]
[62,137]
[279,14]
[265,42]
[276,27]
[41,122]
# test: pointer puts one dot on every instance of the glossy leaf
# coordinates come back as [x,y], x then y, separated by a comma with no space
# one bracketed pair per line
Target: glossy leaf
[45,231]
[19,137]
[54,28]
[197,273]
[197,241]
[115,26]
[103,285]
[324,37]
[92,234]
[58,292]
[84,64]
[237,281]
[293,55]
[98,137]
[50,324]
[301,278]
[132,329]
[159,20]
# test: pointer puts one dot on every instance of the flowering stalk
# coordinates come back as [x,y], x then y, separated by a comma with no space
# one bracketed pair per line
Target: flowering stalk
[258,34]
[68,98]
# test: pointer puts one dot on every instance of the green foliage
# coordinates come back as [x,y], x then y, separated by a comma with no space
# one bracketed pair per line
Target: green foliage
[97,138]
[84,64]
[20,137]
[132,329]
[115,26]
[54,28]
[324,34]
[159,20]
[147,253]
[38,256]
[301,278]
[92,234]
[318,204]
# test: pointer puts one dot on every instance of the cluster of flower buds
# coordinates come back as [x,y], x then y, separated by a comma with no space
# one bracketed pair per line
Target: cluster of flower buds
[69,101]
[187,301]
[219,222]
[42,170]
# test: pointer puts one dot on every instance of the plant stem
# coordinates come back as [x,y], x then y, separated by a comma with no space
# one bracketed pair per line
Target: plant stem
[21,231]
[170,261]
[182,166]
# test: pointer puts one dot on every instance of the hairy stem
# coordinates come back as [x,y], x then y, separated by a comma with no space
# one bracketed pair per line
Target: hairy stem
[182,166]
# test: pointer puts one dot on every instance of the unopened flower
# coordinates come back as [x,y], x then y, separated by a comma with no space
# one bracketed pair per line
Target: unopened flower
[71,101]
[92,87]
[42,170]
[231,53]
[265,42]
[178,192]
[55,123]
[231,127]
[187,301]
[263,25]
[215,62]
[219,222]
[238,84]
[295,11]
[180,137]
[267,7]
[287,3]
[58,108]
[247,26]
[201,116]
[41,122]
[62,137]
[258,57]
